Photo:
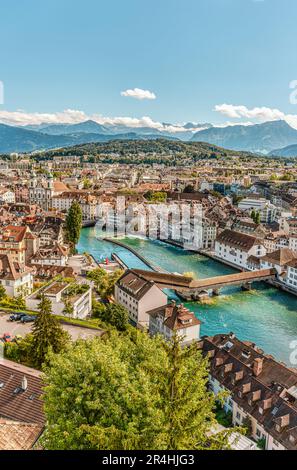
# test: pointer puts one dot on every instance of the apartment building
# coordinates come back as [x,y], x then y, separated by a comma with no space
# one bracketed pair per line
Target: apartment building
[236,248]
[42,190]
[18,242]
[262,391]
[16,279]
[88,203]
[268,211]
[171,319]
[138,296]
[6,196]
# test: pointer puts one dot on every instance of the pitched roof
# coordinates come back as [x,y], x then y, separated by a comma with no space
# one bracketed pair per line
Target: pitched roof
[134,284]
[175,316]
[238,240]
[59,186]
[15,435]
[280,257]
[18,404]
[15,232]
[264,388]
[10,269]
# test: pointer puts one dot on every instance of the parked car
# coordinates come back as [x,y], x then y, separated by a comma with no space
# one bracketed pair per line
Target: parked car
[16,316]
[28,318]
[7,338]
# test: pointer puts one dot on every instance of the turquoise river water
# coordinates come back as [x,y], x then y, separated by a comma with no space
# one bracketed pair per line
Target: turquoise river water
[264,315]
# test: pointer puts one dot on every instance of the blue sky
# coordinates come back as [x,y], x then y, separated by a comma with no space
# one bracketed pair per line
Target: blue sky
[193,55]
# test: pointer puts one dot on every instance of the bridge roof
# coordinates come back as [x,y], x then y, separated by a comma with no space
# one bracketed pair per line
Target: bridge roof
[184,282]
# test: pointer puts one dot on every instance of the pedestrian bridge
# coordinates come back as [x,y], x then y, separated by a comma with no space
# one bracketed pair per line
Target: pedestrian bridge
[184,283]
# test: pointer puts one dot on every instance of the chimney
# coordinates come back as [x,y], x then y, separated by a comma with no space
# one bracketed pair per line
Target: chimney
[228,367]
[267,403]
[219,361]
[258,366]
[238,375]
[246,387]
[285,420]
[24,383]
[256,395]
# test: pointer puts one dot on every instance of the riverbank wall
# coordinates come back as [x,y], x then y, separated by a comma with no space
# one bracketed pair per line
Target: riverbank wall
[148,263]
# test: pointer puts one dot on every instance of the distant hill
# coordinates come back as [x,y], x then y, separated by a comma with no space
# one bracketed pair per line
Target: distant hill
[17,139]
[289,151]
[258,138]
[139,151]
[86,127]
[91,127]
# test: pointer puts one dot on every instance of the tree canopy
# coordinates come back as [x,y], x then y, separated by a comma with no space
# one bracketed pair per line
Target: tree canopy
[103,281]
[47,334]
[128,392]
[73,224]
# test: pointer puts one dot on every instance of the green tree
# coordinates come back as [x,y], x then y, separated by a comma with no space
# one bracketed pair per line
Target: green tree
[114,314]
[87,183]
[73,224]
[129,392]
[103,281]
[157,196]
[258,218]
[99,277]
[48,335]
[68,309]
[2,292]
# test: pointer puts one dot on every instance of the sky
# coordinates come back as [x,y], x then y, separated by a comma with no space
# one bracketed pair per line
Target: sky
[146,62]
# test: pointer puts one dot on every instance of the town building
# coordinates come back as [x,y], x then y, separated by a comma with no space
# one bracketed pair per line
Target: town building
[22,419]
[6,196]
[171,319]
[61,294]
[88,203]
[17,279]
[42,190]
[138,296]
[262,393]
[236,248]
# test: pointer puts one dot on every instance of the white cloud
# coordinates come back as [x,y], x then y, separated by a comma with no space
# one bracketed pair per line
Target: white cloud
[72,116]
[259,114]
[139,94]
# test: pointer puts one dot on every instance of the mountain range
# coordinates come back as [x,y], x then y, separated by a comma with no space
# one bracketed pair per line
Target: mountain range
[17,139]
[259,138]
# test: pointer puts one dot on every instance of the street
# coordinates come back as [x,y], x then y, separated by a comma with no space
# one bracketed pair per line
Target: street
[18,328]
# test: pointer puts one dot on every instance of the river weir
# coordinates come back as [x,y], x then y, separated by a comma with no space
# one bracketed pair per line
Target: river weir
[264,315]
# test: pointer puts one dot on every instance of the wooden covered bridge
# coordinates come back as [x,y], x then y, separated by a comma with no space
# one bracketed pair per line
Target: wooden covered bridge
[192,289]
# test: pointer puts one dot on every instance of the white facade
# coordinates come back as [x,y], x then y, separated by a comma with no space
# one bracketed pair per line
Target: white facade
[89,208]
[138,308]
[293,243]
[237,255]
[268,212]
[186,326]
[7,196]
[22,286]
[81,303]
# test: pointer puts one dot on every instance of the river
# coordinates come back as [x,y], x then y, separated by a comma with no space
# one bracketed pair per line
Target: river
[264,315]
